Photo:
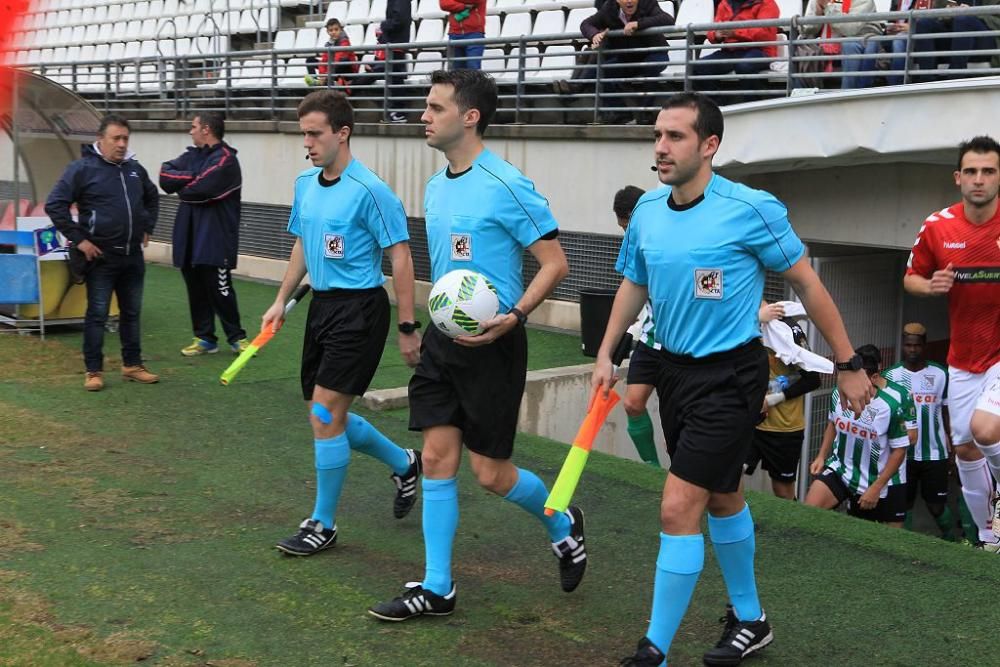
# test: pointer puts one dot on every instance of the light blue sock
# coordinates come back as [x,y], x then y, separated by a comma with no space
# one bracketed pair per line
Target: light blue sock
[733,539]
[332,456]
[440,523]
[529,493]
[677,568]
[366,439]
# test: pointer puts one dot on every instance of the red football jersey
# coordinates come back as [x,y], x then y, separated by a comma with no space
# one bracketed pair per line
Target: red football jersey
[974,300]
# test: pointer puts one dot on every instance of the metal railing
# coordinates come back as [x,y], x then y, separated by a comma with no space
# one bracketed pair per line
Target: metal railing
[542,78]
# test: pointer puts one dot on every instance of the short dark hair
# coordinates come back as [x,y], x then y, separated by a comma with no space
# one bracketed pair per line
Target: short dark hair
[215,122]
[112,119]
[981,144]
[871,358]
[709,120]
[333,103]
[334,22]
[474,89]
[625,200]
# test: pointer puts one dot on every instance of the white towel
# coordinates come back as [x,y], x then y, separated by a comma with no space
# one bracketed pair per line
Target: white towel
[778,337]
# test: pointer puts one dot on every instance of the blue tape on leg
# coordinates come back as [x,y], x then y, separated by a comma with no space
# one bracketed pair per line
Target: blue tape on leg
[321,413]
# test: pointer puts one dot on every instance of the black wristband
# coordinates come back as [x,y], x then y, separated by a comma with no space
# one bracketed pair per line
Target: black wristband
[408,327]
[522,319]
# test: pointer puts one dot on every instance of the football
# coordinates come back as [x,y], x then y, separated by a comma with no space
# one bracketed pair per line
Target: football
[461,301]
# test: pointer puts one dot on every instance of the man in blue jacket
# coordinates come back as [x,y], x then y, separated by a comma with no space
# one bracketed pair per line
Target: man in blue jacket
[117,205]
[208,181]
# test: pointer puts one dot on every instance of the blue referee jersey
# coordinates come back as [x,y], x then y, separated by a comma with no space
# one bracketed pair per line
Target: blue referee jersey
[345,225]
[482,220]
[703,263]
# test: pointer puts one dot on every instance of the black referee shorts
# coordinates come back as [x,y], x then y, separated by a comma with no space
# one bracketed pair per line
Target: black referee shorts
[477,389]
[932,479]
[708,409]
[344,341]
[643,365]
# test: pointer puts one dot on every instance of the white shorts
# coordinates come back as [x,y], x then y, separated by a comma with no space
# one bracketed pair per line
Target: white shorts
[968,392]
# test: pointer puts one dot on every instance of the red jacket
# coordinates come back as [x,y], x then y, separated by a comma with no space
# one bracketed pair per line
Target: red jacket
[750,10]
[476,21]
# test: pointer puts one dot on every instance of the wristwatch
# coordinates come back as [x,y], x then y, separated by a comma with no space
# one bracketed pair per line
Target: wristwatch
[408,327]
[522,319]
[852,364]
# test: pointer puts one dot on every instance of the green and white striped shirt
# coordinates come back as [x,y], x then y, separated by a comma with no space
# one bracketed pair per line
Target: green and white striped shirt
[862,445]
[929,389]
[644,330]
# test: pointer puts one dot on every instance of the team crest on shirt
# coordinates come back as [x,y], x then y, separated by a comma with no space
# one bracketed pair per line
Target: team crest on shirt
[333,246]
[868,415]
[708,283]
[461,247]
[927,382]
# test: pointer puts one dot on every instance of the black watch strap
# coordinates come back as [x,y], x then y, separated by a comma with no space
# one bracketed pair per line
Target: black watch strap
[522,319]
[409,327]
[852,364]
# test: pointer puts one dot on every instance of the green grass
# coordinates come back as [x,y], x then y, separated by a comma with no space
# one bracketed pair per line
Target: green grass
[138,523]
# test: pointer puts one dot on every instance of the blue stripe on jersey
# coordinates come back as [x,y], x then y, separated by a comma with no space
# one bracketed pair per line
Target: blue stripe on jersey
[704,266]
[482,220]
[345,227]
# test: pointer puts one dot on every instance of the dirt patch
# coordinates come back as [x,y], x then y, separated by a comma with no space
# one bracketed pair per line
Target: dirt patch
[13,539]
[28,359]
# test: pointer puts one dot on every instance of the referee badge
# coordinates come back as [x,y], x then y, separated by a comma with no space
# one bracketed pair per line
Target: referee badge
[708,283]
[333,246]
[461,247]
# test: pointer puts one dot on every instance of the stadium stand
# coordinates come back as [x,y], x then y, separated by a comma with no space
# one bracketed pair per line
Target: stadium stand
[174,54]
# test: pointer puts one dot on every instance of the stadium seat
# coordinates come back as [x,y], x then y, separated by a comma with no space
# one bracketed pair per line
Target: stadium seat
[249,74]
[370,38]
[293,75]
[377,11]
[492,26]
[355,33]
[695,12]
[91,33]
[307,38]
[516,25]
[426,62]
[575,18]
[494,61]
[247,23]
[430,30]
[513,64]
[508,6]
[549,23]
[883,5]
[789,8]
[357,12]
[140,10]
[429,9]
[284,40]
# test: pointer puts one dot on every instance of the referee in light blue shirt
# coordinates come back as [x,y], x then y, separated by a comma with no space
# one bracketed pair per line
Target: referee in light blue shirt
[344,217]
[698,250]
[482,213]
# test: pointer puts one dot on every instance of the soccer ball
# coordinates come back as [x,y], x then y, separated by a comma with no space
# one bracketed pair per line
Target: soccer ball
[461,301]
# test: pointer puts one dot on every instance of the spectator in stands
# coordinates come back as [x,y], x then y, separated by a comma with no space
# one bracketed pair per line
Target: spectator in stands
[118,205]
[631,17]
[466,20]
[395,29]
[738,10]
[208,181]
[960,26]
[345,63]
[859,35]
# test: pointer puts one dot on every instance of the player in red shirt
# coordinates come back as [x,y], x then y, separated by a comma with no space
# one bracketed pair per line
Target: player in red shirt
[957,253]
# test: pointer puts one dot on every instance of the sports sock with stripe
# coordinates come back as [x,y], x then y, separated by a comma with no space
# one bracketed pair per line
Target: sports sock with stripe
[366,439]
[733,540]
[440,519]
[640,429]
[332,456]
[529,493]
[678,565]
